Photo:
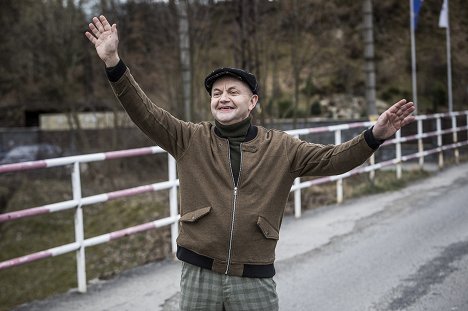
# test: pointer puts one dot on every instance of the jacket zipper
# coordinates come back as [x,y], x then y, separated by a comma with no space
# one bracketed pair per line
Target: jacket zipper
[234,205]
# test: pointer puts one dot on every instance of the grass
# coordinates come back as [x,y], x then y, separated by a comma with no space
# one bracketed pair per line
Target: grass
[384,181]
[355,186]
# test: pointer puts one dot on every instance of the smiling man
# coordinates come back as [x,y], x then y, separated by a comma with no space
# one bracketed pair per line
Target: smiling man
[233,94]
[234,178]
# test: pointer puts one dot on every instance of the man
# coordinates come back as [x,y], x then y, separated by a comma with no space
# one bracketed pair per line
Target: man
[234,179]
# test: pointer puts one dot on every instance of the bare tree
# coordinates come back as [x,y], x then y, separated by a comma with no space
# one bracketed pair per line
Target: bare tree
[369,66]
[185,55]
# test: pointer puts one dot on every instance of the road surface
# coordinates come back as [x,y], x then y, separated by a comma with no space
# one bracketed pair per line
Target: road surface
[402,250]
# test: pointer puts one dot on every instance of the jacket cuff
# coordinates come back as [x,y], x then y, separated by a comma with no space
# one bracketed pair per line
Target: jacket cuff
[116,72]
[371,140]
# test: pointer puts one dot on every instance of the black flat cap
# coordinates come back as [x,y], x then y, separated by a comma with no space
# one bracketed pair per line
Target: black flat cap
[240,74]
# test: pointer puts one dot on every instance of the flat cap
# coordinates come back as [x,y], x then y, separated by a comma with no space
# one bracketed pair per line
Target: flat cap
[240,74]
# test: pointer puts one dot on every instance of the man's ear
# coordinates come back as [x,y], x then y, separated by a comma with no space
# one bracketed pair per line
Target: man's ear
[253,102]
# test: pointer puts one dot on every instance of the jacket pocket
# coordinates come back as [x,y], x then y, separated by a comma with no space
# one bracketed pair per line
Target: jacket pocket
[195,215]
[268,230]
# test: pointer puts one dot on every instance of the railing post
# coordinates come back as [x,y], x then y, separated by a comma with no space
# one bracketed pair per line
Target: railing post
[455,138]
[372,172]
[79,229]
[339,182]
[297,199]
[173,201]
[439,141]
[398,154]
[467,125]
[420,144]
[297,196]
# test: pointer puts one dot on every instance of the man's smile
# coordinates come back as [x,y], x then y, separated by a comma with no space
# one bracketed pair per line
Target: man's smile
[226,108]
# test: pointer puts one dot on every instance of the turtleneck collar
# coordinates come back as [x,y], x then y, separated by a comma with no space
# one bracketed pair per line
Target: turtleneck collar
[236,130]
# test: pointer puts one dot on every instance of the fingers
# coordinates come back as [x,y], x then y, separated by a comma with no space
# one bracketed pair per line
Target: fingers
[401,109]
[98,27]
[91,38]
[407,120]
[105,23]
[400,103]
[94,30]
[406,110]
[397,106]
[404,115]
[97,22]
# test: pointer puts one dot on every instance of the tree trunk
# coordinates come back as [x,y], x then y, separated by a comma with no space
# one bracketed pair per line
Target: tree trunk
[184,50]
[369,66]
[295,61]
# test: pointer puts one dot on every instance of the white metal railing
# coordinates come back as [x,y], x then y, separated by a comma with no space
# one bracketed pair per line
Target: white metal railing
[78,202]
[397,161]
[172,183]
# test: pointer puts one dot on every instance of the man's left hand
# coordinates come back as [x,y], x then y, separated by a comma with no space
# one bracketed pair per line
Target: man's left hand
[393,119]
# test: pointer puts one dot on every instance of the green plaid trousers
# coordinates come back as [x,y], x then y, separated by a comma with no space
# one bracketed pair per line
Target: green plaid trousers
[203,289]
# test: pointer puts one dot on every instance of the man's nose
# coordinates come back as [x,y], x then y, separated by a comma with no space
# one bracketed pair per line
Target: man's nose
[224,97]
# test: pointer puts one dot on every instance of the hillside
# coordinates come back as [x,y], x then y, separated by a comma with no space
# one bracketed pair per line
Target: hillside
[301,51]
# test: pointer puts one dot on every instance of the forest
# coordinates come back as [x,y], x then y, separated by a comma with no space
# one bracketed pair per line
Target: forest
[304,52]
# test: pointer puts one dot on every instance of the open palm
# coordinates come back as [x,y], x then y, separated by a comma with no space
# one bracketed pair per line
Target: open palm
[393,119]
[105,40]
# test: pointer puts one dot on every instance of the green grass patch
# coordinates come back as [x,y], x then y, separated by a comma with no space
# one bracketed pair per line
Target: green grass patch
[360,185]
[355,186]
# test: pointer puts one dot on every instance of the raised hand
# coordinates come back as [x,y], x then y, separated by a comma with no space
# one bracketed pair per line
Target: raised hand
[393,119]
[105,40]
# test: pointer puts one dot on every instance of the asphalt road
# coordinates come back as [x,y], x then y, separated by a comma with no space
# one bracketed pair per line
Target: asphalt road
[412,255]
[403,250]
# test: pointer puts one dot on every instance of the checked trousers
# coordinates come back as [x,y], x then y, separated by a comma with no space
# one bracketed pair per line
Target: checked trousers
[203,289]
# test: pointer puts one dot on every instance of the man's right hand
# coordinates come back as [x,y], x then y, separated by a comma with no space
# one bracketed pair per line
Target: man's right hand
[105,40]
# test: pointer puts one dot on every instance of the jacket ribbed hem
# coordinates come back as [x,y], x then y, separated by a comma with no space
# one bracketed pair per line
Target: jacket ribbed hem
[250,271]
[371,141]
[116,72]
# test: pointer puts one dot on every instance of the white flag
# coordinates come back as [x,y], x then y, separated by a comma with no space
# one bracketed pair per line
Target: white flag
[443,18]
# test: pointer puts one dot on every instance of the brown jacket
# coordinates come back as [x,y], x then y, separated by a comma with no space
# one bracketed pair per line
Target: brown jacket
[235,228]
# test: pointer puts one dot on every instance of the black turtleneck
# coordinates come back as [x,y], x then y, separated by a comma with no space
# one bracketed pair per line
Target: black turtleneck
[236,134]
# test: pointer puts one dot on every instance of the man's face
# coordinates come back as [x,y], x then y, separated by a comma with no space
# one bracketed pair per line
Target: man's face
[231,100]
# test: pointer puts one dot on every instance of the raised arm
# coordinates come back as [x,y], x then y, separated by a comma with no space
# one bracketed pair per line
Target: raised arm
[393,119]
[105,40]
[172,134]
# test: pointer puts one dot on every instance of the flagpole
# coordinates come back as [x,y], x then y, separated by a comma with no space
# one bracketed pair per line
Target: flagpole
[449,62]
[413,57]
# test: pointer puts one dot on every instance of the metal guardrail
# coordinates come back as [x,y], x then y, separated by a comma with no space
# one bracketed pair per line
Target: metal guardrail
[172,183]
